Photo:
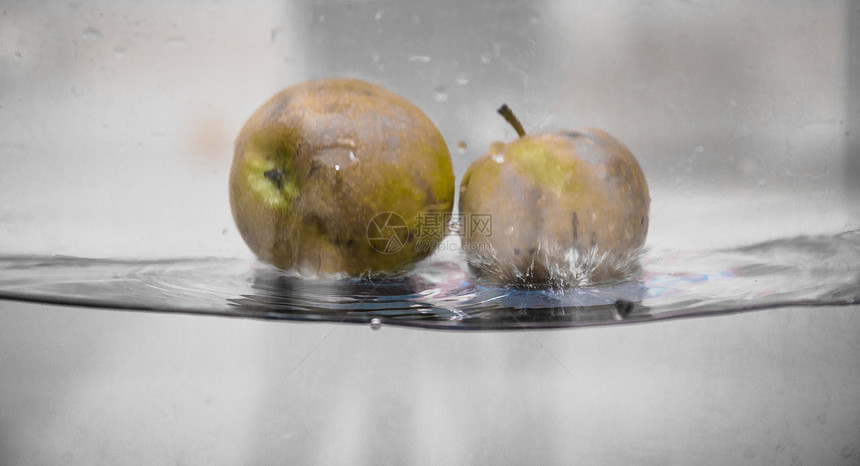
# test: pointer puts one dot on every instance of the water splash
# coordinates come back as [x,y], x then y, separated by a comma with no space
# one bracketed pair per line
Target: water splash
[443,294]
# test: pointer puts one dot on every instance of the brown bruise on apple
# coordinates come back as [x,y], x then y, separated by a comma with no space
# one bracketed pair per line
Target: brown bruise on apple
[555,198]
[319,160]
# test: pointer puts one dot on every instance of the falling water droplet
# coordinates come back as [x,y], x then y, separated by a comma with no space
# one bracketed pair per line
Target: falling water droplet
[375,323]
[274,35]
[439,94]
[461,147]
[92,33]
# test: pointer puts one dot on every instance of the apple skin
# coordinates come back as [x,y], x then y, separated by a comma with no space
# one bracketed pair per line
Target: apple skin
[316,162]
[568,208]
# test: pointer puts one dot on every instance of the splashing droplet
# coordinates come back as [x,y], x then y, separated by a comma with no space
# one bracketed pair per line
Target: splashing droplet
[91,33]
[375,323]
[439,94]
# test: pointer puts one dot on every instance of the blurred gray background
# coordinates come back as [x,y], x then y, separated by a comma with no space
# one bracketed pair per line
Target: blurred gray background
[117,118]
[117,121]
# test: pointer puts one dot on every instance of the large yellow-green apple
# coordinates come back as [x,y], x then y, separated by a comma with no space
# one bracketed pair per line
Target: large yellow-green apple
[566,208]
[326,171]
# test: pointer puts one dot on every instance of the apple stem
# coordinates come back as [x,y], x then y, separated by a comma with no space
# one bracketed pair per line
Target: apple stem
[506,112]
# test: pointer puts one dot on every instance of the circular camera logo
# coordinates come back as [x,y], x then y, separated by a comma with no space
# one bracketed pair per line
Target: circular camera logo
[387,232]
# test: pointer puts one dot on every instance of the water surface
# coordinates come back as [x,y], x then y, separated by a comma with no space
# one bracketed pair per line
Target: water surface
[813,271]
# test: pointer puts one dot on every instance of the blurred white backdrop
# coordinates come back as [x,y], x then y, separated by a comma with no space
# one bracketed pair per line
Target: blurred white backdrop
[117,118]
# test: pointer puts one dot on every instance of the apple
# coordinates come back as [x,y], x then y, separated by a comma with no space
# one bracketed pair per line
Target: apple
[559,208]
[334,177]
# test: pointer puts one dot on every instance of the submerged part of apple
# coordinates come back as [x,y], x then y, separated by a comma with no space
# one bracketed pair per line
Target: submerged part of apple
[335,176]
[567,208]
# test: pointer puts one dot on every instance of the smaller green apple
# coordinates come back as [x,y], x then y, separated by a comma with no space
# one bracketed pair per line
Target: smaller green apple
[565,208]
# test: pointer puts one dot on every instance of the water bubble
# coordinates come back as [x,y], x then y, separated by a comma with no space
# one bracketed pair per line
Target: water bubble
[92,33]
[439,94]
[419,59]
[375,323]
[486,58]
[461,147]
[119,52]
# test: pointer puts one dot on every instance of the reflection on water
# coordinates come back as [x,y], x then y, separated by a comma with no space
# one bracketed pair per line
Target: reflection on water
[802,271]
